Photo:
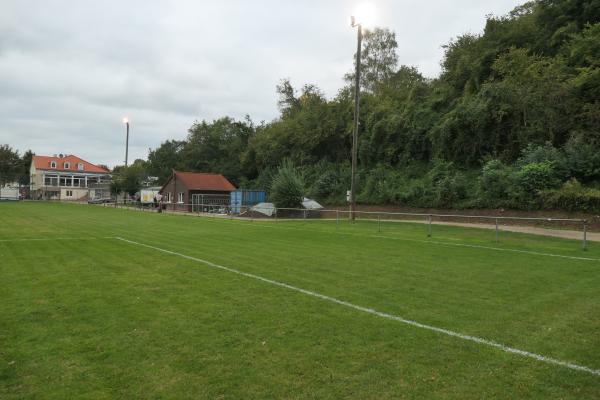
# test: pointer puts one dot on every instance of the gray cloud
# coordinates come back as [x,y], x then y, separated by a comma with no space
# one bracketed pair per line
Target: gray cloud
[69,71]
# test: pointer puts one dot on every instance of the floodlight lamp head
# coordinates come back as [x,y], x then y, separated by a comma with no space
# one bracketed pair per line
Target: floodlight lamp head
[364,15]
[125,120]
[352,21]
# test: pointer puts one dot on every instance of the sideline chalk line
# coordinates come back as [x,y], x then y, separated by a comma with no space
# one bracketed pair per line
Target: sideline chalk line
[371,311]
[57,238]
[474,246]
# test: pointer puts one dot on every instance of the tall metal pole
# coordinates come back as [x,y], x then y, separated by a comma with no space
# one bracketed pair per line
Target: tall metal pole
[127,143]
[353,183]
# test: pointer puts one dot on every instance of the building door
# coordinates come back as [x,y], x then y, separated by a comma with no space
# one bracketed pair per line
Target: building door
[197,202]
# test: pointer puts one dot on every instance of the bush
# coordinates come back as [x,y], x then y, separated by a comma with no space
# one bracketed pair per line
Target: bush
[494,184]
[583,159]
[326,185]
[448,185]
[417,194]
[572,196]
[536,154]
[330,181]
[382,185]
[536,176]
[264,180]
[287,188]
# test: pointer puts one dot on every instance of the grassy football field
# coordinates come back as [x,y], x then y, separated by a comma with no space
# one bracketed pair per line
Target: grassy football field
[102,303]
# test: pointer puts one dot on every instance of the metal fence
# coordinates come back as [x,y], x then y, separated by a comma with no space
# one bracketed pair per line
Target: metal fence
[377,218]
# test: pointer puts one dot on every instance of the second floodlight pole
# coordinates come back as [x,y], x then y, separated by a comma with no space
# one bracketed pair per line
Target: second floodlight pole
[353,184]
[127,143]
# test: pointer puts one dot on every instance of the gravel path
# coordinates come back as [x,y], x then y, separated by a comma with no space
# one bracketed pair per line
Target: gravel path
[565,234]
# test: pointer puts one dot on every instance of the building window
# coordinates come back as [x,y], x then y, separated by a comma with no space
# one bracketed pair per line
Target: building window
[180,199]
[69,193]
[80,166]
[168,197]
[66,181]
[51,180]
[79,181]
[53,164]
[67,165]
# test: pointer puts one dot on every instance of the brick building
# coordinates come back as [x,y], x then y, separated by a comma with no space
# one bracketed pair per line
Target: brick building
[196,192]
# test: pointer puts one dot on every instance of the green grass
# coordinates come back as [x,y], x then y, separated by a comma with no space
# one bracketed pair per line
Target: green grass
[96,317]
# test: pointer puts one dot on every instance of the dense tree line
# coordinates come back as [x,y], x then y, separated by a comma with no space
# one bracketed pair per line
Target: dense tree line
[513,120]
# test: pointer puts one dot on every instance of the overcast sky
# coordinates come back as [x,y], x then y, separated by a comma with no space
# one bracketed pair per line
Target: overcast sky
[71,70]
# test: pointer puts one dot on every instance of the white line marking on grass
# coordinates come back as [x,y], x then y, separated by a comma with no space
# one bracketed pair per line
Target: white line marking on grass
[371,311]
[60,238]
[476,246]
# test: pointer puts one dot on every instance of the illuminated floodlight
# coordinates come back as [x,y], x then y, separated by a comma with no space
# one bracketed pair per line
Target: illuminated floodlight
[364,15]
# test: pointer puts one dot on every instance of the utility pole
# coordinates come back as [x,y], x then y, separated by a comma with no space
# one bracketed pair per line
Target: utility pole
[353,183]
[126,121]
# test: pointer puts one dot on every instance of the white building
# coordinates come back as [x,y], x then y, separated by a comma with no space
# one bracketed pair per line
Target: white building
[67,177]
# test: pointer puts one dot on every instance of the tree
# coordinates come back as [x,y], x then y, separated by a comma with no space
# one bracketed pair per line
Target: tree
[165,158]
[218,146]
[129,179]
[10,164]
[288,103]
[25,167]
[379,59]
[287,188]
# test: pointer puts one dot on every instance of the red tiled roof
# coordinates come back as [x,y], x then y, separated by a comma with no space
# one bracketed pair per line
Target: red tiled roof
[43,162]
[204,181]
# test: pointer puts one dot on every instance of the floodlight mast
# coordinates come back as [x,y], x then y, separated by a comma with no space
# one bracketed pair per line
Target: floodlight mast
[126,122]
[353,183]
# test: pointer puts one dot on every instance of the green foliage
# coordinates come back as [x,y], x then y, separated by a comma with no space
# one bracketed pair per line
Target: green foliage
[381,186]
[583,159]
[449,185]
[330,181]
[536,176]
[25,167]
[379,60]
[546,154]
[10,164]
[572,196]
[495,183]
[165,158]
[523,93]
[287,188]
[128,179]
[217,147]
[14,168]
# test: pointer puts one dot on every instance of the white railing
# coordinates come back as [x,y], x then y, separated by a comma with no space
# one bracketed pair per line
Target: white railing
[284,213]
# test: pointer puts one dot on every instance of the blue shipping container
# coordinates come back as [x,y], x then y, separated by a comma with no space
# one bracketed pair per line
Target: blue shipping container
[246,198]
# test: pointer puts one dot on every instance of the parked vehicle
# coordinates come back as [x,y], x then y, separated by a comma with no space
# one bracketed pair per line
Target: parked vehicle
[99,201]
